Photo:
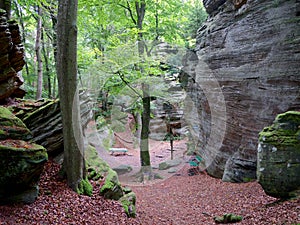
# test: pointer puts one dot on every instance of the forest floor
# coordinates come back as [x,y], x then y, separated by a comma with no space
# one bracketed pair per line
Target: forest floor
[180,199]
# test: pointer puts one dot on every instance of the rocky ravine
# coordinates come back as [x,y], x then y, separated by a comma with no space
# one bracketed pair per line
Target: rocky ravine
[247,73]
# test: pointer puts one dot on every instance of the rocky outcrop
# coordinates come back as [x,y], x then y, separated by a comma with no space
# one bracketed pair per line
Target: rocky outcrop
[278,159]
[111,187]
[247,72]
[21,161]
[11,59]
[43,119]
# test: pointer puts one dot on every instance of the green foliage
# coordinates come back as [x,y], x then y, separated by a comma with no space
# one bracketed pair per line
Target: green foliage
[24,11]
[105,27]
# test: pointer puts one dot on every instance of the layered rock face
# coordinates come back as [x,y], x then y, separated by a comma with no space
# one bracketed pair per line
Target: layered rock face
[247,72]
[43,119]
[21,161]
[278,165]
[11,59]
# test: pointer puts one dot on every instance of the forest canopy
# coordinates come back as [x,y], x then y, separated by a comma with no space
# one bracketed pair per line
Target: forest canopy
[102,27]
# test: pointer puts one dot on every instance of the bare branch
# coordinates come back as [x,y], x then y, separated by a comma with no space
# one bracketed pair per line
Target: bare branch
[129,10]
[127,83]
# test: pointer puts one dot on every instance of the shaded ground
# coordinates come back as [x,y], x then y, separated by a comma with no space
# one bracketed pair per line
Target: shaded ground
[181,199]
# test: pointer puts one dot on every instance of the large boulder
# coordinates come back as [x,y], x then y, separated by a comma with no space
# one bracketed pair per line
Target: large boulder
[278,157]
[21,161]
[246,73]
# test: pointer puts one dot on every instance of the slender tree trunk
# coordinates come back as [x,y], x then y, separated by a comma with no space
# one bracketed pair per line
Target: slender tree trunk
[46,56]
[144,143]
[69,98]
[140,7]
[20,16]
[38,54]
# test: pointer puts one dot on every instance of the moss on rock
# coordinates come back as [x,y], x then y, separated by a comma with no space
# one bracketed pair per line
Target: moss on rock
[85,188]
[128,203]
[112,188]
[12,127]
[21,166]
[278,163]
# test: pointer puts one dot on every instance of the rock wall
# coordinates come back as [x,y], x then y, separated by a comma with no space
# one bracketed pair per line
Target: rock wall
[11,59]
[247,72]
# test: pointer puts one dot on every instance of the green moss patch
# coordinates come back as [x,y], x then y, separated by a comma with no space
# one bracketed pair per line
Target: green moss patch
[12,127]
[128,203]
[228,218]
[285,131]
[85,188]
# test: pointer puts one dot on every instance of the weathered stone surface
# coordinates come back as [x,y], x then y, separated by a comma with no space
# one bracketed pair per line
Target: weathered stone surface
[239,169]
[11,127]
[43,119]
[21,161]
[21,166]
[122,169]
[212,5]
[11,59]
[247,72]
[278,165]
[169,163]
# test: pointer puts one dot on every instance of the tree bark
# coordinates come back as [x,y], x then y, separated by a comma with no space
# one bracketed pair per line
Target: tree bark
[38,54]
[144,140]
[46,56]
[144,143]
[69,99]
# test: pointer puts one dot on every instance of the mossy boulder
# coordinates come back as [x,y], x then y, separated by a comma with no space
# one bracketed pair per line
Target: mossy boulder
[278,158]
[112,188]
[12,127]
[128,203]
[21,166]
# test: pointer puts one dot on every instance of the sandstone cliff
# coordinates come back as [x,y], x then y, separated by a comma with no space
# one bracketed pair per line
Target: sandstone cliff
[248,72]
[11,59]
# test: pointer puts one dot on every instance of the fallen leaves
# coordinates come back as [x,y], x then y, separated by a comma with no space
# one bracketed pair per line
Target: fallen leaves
[179,200]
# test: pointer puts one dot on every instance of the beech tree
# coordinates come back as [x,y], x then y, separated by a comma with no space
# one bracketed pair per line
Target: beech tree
[74,165]
[38,54]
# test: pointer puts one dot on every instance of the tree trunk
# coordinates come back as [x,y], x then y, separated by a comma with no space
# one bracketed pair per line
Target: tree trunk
[144,143]
[38,54]
[20,16]
[69,99]
[46,56]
